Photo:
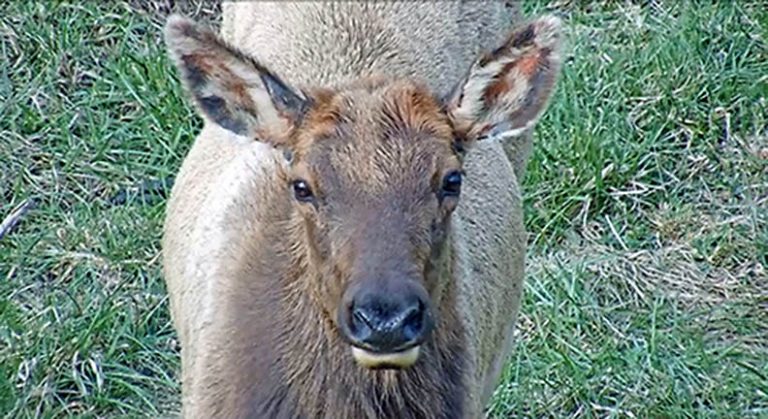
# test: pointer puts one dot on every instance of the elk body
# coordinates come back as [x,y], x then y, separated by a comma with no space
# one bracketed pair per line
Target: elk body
[345,237]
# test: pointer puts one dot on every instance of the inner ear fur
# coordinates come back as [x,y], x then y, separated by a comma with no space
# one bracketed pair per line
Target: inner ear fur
[507,90]
[230,88]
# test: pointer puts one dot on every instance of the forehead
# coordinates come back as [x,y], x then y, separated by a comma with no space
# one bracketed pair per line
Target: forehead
[366,131]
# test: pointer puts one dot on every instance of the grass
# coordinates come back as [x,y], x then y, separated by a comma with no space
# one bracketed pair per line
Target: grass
[647,204]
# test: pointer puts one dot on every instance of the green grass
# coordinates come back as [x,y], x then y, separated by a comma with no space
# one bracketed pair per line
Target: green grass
[647,204]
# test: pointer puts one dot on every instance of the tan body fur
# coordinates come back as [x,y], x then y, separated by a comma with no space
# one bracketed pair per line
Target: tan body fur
[226,210]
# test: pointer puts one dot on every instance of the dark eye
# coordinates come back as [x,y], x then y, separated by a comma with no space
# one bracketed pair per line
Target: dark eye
[302,191]
[452,184]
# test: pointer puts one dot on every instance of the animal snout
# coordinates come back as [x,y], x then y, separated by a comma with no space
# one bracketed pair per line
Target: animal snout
[384,328]
[382,323]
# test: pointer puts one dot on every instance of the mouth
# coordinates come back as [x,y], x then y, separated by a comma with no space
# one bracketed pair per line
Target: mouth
[390,360]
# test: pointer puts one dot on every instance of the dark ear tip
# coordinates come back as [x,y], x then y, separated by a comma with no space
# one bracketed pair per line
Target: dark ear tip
[177,20]
[549,29]
[178,26]
[550,23]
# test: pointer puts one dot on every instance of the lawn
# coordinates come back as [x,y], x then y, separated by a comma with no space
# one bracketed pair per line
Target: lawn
[647,208]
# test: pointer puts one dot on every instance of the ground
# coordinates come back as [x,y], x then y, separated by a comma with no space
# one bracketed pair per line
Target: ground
[646,203]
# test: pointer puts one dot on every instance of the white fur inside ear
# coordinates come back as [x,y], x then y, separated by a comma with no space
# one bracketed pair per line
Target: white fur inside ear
[503,133]
[470,107]
[507,91]
[229,87]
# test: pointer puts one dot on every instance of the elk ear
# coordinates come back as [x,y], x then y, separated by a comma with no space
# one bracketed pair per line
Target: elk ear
[506,91]
[229,88]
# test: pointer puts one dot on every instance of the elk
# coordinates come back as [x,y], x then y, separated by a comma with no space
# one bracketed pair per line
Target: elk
[345,237]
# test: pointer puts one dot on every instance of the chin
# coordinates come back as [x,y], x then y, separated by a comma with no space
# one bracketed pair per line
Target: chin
[389,360]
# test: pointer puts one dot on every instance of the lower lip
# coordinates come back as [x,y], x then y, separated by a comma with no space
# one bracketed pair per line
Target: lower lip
[402,359]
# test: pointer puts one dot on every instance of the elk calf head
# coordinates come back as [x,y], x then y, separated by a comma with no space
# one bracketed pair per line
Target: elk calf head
[375,170]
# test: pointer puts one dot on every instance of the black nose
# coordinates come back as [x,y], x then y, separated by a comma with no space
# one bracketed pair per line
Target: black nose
[381,324]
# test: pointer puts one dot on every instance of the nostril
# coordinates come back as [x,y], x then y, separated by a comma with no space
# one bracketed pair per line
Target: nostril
[361,317]
[387,328]
[413,322]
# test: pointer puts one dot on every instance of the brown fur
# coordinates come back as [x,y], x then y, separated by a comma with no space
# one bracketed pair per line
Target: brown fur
[256,277]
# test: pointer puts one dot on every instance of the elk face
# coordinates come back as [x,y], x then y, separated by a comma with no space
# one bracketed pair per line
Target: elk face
[376,177]
[375,170]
